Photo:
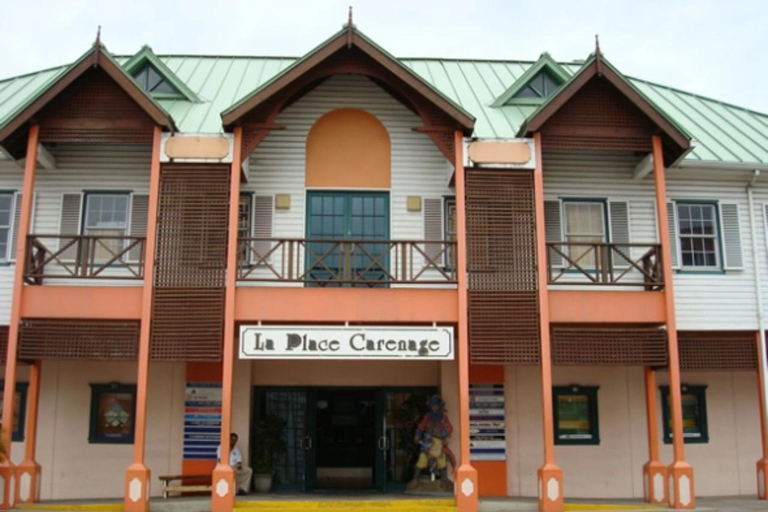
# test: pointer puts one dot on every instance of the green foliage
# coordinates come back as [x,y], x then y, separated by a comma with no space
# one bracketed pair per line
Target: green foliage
[269,444]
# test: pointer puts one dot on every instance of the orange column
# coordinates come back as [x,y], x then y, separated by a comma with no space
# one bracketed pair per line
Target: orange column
[7,471]
[550,476]
[28,472]
[654,472]
[680,473]
[466,476]
[762,464]
[137,476]
[223,492]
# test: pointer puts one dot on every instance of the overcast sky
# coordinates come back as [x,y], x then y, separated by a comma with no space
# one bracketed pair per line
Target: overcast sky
[715,48]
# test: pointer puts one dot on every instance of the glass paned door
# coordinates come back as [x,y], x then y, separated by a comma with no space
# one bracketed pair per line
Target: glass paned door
[351,219]
[400,411]
[295,467]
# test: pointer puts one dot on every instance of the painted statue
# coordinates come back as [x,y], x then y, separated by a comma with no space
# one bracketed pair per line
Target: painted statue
[432,435]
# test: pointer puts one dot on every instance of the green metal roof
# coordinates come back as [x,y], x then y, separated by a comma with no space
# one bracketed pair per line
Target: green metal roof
[721,132]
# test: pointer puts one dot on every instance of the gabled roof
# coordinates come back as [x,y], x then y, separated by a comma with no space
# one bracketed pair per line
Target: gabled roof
[349,36]
[596,65]
[724,133]
[545,62]
[95,56]
[146,56]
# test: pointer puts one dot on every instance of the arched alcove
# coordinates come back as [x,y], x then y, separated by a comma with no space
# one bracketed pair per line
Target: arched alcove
[348,148]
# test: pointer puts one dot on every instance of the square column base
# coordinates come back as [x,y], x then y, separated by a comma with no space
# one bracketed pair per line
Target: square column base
[762,479]
[466,489]
[223,491]
[8,484]
[28,478]
[681,491]
[136,498]
[550,478]
[655,488]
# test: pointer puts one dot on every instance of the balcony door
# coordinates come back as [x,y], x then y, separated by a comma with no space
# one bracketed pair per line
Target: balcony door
[351,222]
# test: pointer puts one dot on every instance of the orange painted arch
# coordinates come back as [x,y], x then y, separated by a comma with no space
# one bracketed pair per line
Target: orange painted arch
[348,148]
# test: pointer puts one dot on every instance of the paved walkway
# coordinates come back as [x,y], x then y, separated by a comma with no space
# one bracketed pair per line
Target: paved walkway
[202,504]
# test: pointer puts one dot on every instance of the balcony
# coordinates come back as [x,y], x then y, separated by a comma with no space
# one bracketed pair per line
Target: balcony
[605,264]
[347,263]
[83,257]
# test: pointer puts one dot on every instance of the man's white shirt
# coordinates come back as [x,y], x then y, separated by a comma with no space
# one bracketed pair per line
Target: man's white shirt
[235,457]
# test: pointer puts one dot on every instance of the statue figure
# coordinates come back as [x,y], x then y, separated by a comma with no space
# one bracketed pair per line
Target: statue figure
[432,435]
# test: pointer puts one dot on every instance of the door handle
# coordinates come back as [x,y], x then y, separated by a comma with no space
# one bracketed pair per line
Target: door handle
[307,443]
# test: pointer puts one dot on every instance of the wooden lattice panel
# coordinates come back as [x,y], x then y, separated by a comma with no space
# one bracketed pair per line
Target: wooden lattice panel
[717,351]
[619,345]
[501,267]
[94,109]
[190,273]
[598,117]
[87,340]
[3,343]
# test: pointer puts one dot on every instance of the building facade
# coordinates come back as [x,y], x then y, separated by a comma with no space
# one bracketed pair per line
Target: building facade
[571,259]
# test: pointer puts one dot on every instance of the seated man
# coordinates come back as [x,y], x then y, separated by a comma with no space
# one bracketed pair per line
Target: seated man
[242,474]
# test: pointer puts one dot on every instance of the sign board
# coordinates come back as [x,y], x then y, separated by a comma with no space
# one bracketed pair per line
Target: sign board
[329,342]
[202,420]
[487,422]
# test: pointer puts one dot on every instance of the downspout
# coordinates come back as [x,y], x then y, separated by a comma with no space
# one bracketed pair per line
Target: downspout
[763,362]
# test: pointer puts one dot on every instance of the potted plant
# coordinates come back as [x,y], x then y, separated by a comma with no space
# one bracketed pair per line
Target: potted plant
[269,445]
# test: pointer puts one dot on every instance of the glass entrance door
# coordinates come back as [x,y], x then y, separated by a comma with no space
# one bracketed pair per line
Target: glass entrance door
[291,406]
[400,410]
[343,216]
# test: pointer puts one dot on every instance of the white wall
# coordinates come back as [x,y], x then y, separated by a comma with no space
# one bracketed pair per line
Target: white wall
[703,300]
[79,167]
[613,469]
[418,167]
[74,468]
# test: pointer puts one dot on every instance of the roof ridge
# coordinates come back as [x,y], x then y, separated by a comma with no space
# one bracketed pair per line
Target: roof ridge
[699,96]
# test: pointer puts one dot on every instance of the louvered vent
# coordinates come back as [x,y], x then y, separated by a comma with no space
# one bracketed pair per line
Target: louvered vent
[16,222]
[501,267]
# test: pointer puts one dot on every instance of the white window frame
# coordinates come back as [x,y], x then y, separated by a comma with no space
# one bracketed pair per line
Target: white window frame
[715,236]
[86,208]
[603,206]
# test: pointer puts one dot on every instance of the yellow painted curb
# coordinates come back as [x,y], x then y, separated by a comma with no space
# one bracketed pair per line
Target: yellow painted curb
[607,506]
[94,507]
[337,504]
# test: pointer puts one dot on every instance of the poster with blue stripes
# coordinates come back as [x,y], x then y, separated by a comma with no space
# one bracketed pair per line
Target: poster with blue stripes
[202,420]
[487,422]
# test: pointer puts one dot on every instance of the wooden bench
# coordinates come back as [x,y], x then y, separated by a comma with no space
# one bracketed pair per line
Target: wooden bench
[187,484]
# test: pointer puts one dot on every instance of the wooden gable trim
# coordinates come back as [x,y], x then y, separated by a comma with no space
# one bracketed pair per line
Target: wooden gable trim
[570,89]
[96,57]
[327,50]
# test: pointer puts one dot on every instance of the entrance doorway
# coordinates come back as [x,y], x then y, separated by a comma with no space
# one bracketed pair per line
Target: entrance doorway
[341,438]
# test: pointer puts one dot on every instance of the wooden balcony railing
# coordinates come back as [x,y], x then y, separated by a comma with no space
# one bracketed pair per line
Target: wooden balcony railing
[605,264]
[361,263]
[83,256]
